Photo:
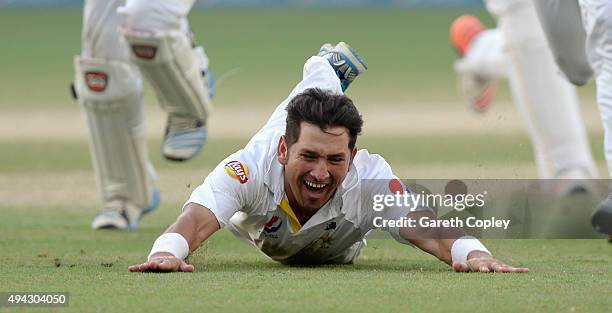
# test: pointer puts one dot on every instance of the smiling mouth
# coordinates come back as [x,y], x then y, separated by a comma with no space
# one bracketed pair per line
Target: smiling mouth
[314,187]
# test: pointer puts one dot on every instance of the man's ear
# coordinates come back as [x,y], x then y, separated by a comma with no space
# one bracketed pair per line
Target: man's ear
[282,151]
[353,153]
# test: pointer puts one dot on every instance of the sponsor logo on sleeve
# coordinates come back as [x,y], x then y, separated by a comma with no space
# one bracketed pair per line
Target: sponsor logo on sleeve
[237,170]
[96,81]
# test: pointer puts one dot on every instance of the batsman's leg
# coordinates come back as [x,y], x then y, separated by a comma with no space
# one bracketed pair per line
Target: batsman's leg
[562,24]
[109,90]
[545,98]
[163,48]
[598,26]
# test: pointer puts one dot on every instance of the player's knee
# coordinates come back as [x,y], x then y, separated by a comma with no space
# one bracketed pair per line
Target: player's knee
[578,72]
[152,16]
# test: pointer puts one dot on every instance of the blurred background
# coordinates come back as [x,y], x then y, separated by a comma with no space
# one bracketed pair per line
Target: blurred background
[413,114]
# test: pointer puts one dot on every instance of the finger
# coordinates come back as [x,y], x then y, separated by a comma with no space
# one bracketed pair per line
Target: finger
[461,267]
[480,266]
[143,267]
[517,270]
[511,269]
[187,267]
[484,269]
[504,268]
[153,265]
[497,267]
[133,268]
[168,266]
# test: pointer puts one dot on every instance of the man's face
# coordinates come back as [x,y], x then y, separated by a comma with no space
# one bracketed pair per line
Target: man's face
[315,165]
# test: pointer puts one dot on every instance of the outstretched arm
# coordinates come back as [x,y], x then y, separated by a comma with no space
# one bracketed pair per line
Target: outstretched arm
[450,246]
[195,225]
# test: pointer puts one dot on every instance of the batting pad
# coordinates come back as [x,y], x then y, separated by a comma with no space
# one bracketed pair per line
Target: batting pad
[171,65]
[110,94]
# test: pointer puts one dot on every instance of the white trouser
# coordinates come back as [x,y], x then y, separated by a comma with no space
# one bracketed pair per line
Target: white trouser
[562,21]
[562,24]
[100,38]
[546,100]
[597,19]
[103,18]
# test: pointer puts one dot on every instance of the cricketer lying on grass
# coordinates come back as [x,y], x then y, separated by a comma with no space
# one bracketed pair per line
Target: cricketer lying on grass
[296,191]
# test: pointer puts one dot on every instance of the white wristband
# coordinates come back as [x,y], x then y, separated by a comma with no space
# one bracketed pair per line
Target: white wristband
[463,246]
[173,243]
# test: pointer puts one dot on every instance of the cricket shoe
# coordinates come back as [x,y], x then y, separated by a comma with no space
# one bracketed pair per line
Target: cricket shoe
[325,49]
[572,181]
[120,214]
[478,90]
[602,217]
[345,61]
[185,135]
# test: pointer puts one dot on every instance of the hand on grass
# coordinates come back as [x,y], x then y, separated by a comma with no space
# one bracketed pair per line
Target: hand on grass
[485,263]
[162,263]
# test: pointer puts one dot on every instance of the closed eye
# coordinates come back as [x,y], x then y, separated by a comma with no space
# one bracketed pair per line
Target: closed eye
[335,159]
[308,156]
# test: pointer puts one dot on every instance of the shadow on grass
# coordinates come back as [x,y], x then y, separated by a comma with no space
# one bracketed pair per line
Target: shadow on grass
[381,265]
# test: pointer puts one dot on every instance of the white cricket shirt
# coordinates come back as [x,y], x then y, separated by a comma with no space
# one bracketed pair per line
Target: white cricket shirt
[246,193]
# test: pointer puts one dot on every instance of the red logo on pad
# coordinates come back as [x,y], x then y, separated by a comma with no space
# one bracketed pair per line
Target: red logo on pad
[96,81]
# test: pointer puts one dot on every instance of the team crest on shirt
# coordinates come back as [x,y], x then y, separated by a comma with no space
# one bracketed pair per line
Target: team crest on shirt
[273,225]
[237,170]
[325,241]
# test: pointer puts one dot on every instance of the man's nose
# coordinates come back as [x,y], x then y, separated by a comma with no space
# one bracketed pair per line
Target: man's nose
[320,172]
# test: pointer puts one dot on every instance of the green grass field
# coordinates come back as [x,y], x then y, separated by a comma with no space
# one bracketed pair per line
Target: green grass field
[413,116]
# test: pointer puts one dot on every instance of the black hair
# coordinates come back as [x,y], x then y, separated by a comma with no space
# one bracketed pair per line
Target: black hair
[324,109]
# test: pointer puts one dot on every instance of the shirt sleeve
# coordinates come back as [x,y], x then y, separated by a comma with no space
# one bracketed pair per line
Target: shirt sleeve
[378,180]
[226,189]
